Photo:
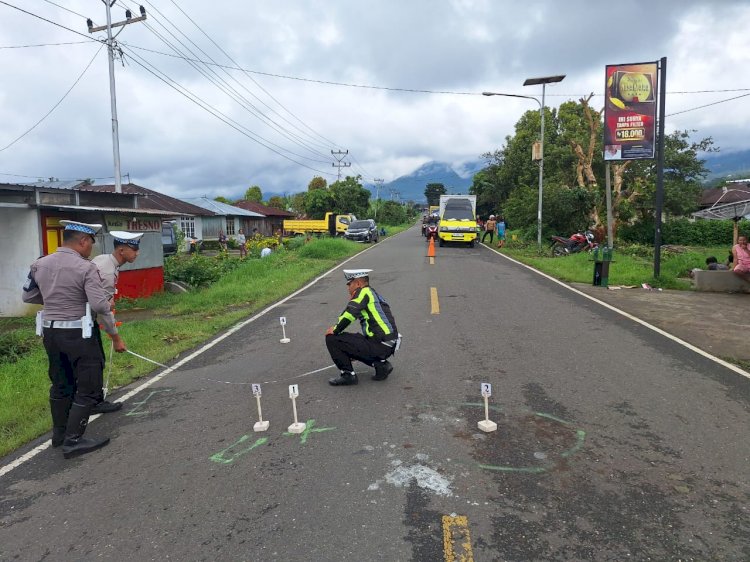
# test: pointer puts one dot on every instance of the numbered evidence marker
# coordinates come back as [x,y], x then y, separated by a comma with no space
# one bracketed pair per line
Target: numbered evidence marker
[282,321]
[486,424]
[296,427]
[260,425]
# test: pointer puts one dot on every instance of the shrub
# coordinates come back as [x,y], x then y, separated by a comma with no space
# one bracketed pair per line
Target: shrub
[684,232]
[197,270]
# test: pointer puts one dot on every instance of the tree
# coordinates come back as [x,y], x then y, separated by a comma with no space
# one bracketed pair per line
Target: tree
[222,199]
[350,197]
[277,202]
[297,203]
[254,194]
[391,213]
[317,203]
[317,183]
[432,193]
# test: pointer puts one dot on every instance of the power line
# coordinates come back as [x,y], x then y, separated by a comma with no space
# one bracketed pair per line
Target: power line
[45,44]
[48,21]
[218,114]
[237,96]
[34,126]
[330,142]
[706,105]
[66,9]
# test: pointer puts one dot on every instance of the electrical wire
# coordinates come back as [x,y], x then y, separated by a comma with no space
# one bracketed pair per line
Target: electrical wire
[46,44]
[238,98]
[48,21]
[66,9]
[34,126]
[706,105]
[330,142]
[216,113]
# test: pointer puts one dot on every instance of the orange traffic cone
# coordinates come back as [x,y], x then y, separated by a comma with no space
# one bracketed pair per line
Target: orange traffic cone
[431,248]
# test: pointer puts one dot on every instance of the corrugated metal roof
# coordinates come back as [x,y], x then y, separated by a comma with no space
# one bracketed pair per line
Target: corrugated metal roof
[55,184]
[219,208]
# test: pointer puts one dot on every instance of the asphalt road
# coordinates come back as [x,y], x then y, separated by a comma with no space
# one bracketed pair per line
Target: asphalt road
[613,442]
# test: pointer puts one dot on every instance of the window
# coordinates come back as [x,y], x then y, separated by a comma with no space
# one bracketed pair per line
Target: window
[230,226]
[187,225]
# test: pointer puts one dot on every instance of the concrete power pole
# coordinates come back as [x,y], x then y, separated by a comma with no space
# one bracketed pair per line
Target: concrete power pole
[378,184]
[111,47]
[339,156]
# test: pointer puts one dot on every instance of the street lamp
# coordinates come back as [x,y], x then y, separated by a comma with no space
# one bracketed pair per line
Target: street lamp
[533,82]
[529,82]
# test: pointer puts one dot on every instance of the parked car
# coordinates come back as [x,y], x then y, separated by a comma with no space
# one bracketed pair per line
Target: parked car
[362,231]
[168,238]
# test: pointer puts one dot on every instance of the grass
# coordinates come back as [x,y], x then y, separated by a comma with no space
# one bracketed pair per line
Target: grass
[160,327]
[632,264]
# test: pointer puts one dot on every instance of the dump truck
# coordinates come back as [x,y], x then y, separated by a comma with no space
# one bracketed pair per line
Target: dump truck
[458,219]
[333,224]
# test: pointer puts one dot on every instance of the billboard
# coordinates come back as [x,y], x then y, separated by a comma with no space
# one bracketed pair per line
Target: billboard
[630,111]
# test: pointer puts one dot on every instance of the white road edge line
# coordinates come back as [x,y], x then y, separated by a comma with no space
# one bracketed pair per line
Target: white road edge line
[156,378]
[682,342]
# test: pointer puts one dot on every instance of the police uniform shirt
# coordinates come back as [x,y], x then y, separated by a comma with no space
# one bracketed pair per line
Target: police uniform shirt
[374,315]
[109,269]
[67,281]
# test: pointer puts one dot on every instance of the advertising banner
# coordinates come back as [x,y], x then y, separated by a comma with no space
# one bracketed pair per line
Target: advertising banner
[133,224]
[630,111]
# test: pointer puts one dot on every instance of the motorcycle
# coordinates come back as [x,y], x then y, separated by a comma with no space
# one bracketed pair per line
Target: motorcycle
[431,231]
[578,242]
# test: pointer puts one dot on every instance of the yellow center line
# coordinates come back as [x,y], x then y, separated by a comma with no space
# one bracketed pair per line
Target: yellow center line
[435,304]
[457,539]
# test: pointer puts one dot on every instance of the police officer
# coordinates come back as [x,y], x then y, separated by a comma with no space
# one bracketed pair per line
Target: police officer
[379,335]
[65,282]
[126,247]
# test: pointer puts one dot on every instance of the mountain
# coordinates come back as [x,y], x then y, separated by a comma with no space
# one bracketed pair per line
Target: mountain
[411,187]
[729,165]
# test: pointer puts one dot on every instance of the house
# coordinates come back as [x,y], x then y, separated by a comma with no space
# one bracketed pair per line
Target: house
[224,217]
[732,192]
[274,218]
[190,217]
[30,227]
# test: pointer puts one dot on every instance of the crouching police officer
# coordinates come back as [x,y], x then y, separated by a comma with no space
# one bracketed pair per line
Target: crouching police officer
[64,282]
[379,337]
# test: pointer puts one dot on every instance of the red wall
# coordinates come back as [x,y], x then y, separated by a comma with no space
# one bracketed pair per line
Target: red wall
[140,282]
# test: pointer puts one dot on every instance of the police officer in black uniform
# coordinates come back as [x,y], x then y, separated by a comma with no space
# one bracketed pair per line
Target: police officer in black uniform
[65,282]
[379,337]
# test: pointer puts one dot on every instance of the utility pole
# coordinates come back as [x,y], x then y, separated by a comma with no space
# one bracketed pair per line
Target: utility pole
[378,184]
[339,156]
[111,47]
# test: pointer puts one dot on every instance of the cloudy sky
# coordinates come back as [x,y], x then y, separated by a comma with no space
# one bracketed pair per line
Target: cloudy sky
[246,127]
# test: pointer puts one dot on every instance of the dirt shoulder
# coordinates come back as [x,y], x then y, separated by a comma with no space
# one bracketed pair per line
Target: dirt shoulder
[718,323]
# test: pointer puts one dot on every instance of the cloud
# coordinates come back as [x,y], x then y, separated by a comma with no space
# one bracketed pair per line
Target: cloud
[170,143]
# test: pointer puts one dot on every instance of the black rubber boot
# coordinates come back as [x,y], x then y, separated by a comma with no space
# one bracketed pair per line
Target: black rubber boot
[59,407]
[106,407]
[75,443]
[344,380]
[382,370]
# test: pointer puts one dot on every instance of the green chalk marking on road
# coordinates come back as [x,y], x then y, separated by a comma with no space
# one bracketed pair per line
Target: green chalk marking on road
[137,411]
[221,459]
[526,469]
[308,430]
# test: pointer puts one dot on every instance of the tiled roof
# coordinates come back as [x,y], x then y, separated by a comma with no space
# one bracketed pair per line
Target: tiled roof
[735,192]
[152,199]
[262,209]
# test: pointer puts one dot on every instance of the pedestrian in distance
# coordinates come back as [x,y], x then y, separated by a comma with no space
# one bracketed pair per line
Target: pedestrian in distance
[379,338]
[126,247]
[222,241]
[68,284]
[489,228]
[241,240]
[741,258]
[501,226]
